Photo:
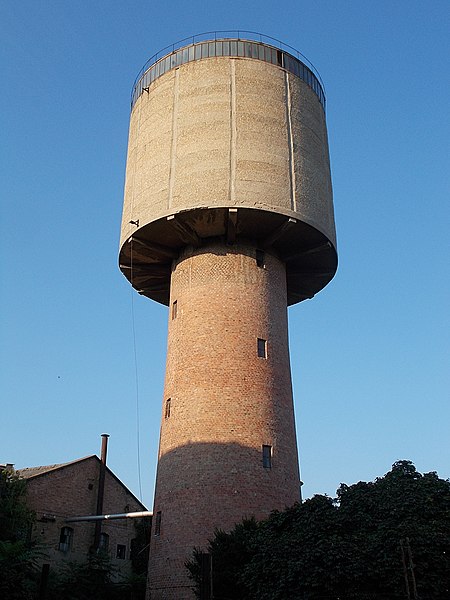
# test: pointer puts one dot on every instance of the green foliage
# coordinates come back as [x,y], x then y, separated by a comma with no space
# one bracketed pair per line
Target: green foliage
[15,517]
[402,508]
[18,571]
[302,547]
[90,580]
[94,579]
[134,586]
[140,546]
[230,551]
[18,559]
[373,541]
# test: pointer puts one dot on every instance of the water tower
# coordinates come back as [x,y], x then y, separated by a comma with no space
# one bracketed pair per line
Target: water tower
[227,220]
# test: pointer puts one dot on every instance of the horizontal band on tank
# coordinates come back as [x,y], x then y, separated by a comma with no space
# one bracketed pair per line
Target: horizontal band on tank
[146,256]
[235,47]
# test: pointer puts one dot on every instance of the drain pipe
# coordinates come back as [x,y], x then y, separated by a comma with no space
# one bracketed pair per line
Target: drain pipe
[101,491]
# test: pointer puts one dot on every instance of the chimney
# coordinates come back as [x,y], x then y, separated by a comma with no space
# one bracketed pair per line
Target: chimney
[101,490]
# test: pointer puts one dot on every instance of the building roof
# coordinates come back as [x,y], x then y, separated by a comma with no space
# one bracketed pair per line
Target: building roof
[31,472]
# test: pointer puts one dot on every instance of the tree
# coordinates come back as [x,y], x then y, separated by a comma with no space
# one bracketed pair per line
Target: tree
[403,517]
[229,552]
[381,540]
[89,580]
[139,558]
[18,558]
[16,519]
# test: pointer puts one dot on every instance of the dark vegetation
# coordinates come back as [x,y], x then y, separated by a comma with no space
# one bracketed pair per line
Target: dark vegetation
[18,560]
[384,540]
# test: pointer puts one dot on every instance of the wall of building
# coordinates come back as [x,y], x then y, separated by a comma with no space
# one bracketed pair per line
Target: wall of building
[72,491]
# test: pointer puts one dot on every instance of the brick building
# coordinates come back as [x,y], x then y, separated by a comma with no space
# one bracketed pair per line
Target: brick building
[58,492]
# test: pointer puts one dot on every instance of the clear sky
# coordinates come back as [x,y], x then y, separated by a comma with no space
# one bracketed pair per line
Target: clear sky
[370,353]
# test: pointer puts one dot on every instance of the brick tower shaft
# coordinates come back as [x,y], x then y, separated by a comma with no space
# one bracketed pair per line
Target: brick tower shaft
[228,446]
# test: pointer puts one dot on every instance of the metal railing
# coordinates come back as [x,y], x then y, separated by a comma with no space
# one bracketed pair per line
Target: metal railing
[237,43]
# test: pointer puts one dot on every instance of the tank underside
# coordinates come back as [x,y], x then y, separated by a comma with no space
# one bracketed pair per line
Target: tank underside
[146,256]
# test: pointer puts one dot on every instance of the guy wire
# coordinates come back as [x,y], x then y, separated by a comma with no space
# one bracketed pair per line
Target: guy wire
[134,326]
[136,375]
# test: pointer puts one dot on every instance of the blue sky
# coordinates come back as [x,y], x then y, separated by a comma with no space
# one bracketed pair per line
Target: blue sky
[370,353]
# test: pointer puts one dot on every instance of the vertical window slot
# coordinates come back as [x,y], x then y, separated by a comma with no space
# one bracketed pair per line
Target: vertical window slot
[267,456]
[158,523]
[167,409]
[262,348]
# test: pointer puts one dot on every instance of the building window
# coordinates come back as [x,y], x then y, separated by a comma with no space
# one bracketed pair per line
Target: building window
[158,523]
[104,542]
[262,348]
[121,551]
[267,456]
[65,539]
[260,259]
[174,309]
[167,409]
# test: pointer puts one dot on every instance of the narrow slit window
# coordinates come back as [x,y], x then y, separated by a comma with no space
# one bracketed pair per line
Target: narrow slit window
[121,551]
[158,523]
[260,256]
[167,409]
[267,456]
[262,348]
[174,309]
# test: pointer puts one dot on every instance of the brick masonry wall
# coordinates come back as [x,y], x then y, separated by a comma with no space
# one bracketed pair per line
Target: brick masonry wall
[225,404]
[72,491]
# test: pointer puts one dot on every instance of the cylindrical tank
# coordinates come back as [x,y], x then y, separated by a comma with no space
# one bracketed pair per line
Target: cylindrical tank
[228,138]
[228,219]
